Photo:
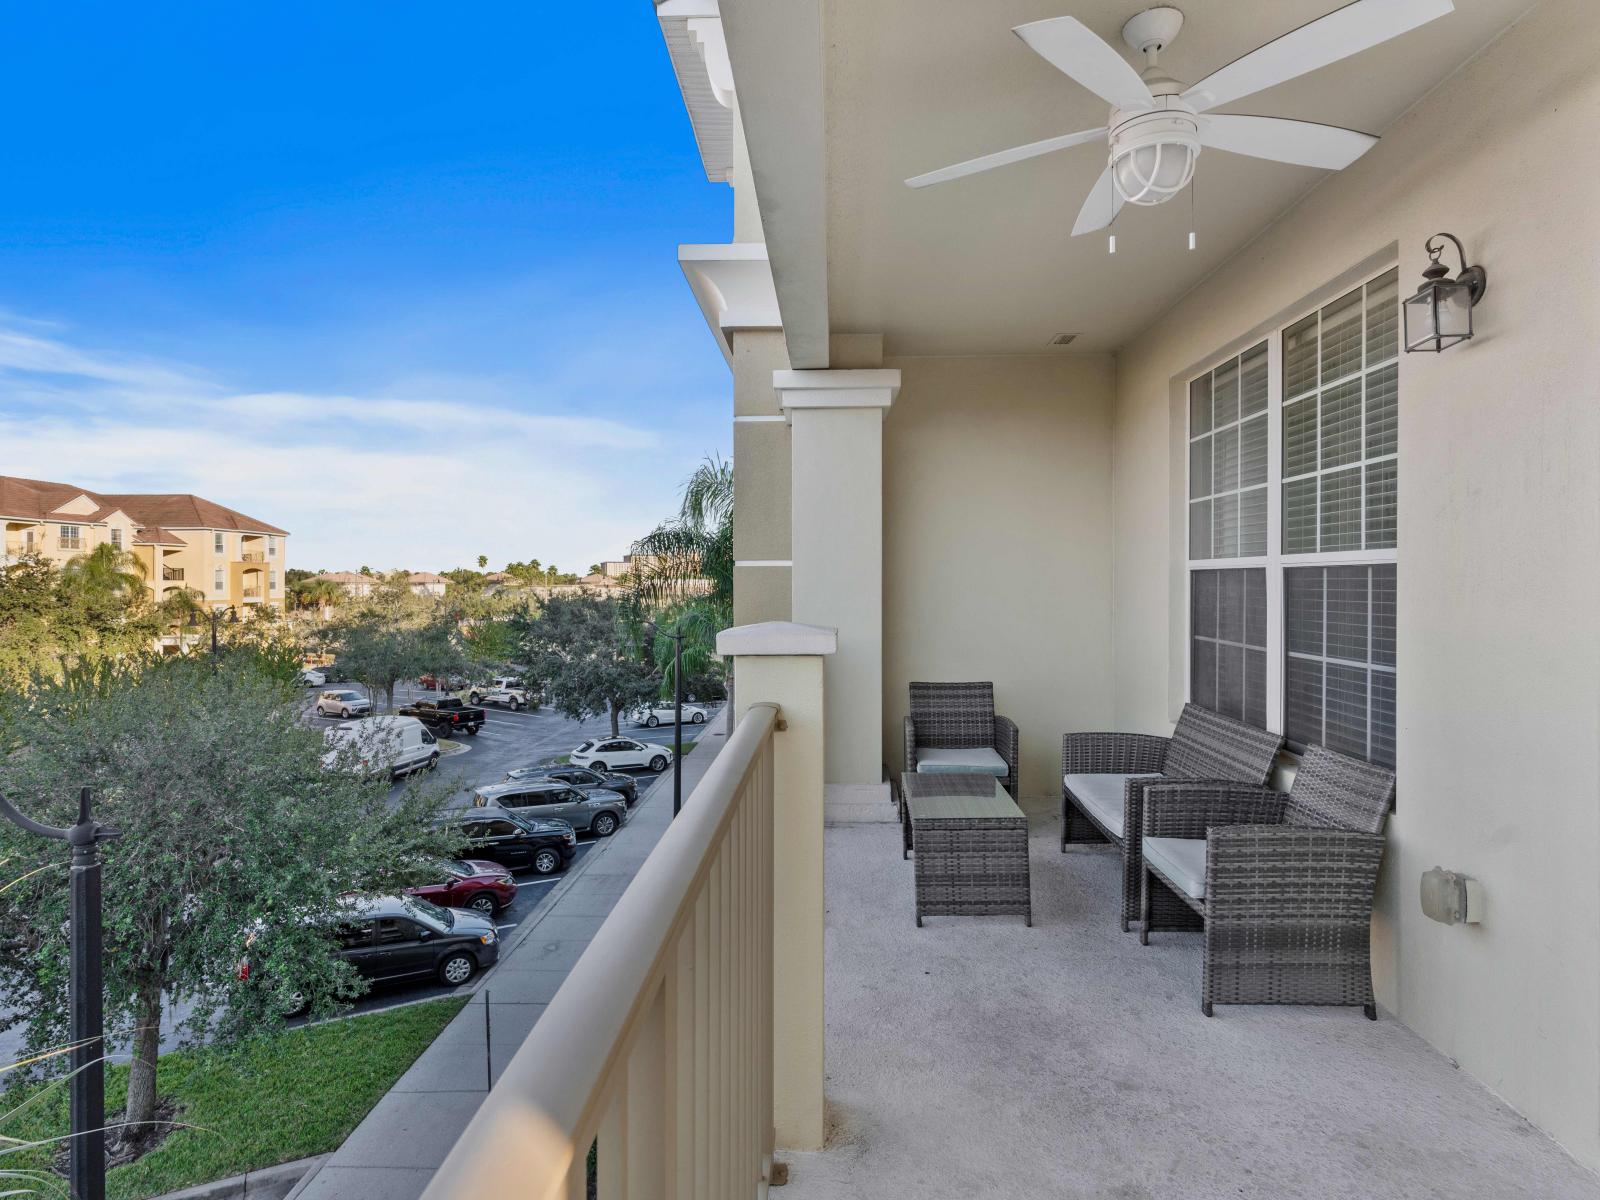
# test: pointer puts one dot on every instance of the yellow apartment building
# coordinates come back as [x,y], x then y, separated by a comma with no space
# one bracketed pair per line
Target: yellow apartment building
[182,542]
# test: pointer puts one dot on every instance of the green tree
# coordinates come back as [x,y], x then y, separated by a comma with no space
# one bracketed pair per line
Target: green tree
[683,577]
[580,651]
[393,634]
[231,831]
[105,572]
[483,561]
[51,620]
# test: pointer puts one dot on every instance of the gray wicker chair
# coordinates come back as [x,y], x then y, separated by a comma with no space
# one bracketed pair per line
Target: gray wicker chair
[950,717]
[1284,883]
[1104,777]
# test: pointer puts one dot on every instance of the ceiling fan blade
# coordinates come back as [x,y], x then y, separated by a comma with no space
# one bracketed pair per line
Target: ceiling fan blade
[1343,32]
[1004,157]
[1102,206]
[1071,47]
[1304,143]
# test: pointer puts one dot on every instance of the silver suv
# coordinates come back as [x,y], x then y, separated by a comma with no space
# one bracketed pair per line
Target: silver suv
[601,813]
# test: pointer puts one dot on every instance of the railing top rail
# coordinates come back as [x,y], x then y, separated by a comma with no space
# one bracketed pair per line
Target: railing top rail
[547,1095]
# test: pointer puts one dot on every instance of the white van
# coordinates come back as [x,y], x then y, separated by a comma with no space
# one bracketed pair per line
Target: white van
[398,745]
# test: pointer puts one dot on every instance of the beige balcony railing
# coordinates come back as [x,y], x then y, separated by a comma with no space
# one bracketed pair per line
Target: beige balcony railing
[251,593]
[253,556]
[172,574]
[657,1048]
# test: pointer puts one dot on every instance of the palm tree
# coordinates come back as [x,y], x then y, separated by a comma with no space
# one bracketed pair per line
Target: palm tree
[105,572]
[683,573]
[316,593]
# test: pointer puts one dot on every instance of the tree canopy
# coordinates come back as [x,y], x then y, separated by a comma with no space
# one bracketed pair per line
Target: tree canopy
[580,651]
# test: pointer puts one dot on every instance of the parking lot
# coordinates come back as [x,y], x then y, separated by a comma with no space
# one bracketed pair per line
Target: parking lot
[507,740]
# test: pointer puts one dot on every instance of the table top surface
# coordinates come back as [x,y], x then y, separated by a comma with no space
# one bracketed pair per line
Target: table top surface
[954,797]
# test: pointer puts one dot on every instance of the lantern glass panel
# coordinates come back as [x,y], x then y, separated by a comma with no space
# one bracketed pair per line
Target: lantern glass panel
[1439,315]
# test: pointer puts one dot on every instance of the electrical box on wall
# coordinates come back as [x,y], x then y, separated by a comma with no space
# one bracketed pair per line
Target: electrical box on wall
[1452,898]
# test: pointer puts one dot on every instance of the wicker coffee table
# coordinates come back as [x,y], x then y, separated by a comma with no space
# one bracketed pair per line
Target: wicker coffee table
[971,842]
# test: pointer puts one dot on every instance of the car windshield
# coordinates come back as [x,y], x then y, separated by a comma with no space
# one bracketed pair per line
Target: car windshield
[458,868]
[430,914]
[346,696]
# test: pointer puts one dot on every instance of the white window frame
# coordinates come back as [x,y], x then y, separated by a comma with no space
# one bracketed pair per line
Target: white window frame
[219,581]
[72,540]
[272,546]
[1275,560]
[219,542]
[116,537]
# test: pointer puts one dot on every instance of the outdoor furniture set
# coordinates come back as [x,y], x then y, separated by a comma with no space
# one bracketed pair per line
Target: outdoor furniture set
[1281,884]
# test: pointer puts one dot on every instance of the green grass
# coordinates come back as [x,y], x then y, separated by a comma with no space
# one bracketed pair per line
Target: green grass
[272,1099]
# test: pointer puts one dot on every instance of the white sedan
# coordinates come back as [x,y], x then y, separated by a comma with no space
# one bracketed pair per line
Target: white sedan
[610,753]
[311,677]
[661,714]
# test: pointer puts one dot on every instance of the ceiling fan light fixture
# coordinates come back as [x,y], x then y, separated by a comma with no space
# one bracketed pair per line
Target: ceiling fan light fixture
[1153,155]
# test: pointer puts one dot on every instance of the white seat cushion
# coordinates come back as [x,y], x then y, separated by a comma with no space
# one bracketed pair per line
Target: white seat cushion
[1101,796]
[1182,860]
[976,760]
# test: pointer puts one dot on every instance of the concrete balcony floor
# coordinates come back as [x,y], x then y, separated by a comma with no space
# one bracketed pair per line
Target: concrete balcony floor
[976,1057]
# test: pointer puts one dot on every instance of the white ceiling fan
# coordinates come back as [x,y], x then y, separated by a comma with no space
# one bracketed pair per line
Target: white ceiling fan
[1158,126]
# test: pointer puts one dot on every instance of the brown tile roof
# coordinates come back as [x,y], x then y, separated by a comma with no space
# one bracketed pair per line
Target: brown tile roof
[425,577]
[152,535]
[39,499]
[345,577]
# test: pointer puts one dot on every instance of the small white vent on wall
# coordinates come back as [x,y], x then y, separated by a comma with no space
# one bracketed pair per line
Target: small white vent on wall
[1063,339]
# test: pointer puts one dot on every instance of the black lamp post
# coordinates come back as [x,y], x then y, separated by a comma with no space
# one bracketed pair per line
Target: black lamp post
[215,616]
[86,1152]
[677,714]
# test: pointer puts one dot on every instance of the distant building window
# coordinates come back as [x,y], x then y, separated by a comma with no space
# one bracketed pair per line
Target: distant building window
[71,537]
[272,546]
[216,579]
[116,538]
[272,580]
[217,544]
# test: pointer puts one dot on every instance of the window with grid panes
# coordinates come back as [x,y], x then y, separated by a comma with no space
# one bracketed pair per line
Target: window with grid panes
[1329,564]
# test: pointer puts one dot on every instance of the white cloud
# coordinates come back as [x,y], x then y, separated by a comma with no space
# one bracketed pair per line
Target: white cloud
[423,480]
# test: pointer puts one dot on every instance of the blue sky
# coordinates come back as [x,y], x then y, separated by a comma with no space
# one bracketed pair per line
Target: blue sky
[398,277]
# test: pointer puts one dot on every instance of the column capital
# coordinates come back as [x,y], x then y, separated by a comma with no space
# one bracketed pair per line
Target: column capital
[776,639]
[858,388]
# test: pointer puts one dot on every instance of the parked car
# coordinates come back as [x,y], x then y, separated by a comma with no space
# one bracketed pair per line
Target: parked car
[579,777]
[398,745]
[446,715]
[438,683]
[504,690]
[517,841]
[343,703]
[392,938]
[476,884]
[601,814]
[604,754]
[312,677]
[652,715]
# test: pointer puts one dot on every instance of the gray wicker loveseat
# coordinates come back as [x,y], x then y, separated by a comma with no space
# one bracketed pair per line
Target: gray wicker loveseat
[1284,883]
[1104,777]
[953,729]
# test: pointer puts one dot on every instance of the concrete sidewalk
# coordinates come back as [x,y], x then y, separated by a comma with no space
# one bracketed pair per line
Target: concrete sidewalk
[393,1153]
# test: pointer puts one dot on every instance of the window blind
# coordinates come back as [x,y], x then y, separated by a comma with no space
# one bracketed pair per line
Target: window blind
[1228,458]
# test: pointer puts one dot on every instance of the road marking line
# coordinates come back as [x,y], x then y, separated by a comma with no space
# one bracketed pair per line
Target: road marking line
[522,883]
[513,925]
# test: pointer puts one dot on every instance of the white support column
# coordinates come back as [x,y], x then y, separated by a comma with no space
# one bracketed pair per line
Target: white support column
[782,663]
[836,420]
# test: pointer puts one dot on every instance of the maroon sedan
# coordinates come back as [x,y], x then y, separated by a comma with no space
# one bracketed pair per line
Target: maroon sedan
[484,887]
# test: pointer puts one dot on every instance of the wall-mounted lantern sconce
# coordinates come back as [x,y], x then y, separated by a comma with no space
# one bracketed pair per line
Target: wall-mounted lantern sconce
[1440,314]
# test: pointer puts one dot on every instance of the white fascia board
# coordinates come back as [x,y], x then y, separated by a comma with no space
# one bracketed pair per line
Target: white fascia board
[699,53]
[732,282]
[859,388]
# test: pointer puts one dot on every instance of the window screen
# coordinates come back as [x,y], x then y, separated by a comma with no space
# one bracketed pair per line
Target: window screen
[1339,662]
[1340,423]
[1228,459]
[1228,642]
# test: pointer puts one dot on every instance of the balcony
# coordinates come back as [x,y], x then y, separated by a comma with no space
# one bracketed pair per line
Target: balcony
[250,595]
[253,556]
[172,574]
[975,1056]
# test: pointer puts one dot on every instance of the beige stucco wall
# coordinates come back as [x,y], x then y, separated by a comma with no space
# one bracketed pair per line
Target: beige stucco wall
[997,552]
[761,456]
[1499,577]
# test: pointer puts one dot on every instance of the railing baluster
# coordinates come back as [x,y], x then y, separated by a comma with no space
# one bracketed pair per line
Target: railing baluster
[648,1103]
[702,1042]
[611,1173]
[680,1067]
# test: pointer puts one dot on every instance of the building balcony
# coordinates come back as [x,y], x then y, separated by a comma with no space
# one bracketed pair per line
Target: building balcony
[253,556]
[172,574]
[973,1056]
[251,595]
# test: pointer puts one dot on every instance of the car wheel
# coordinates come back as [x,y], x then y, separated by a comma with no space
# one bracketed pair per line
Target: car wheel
[546,862]
[599,766]
[299,1005]
[457,969]
[472,731]
[652,721]
[698,718]
[483,903]
[474,698]
[516,705]
[344,713]
[433,762]
[604,824]
[658,764]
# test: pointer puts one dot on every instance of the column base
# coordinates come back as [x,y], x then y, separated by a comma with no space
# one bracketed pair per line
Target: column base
[858,804]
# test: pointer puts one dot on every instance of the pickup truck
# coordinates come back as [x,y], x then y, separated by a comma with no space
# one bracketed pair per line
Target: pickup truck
[506,690]
[445,715]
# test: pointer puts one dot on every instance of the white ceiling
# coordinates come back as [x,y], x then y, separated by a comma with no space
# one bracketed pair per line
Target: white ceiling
[986,264]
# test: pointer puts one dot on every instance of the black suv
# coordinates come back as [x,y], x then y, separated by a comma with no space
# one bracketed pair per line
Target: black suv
[517,841]
[582,778]
[389,939]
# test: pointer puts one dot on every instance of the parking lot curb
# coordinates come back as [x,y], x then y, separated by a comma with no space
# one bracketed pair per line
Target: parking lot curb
[269,1183]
